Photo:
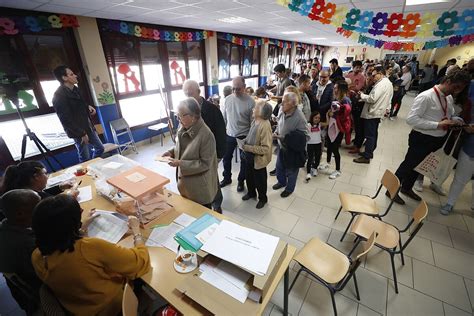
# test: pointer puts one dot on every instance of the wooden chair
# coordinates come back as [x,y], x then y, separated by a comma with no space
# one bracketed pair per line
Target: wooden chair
[357,204]
[129,302]
[389,238]
[329,266]
[108,147]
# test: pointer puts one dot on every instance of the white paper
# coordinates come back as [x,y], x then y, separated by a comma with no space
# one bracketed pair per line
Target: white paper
[164,236]
[119,215]
[112,165]
[227,278]
[85,194]
[207,233]
[135,177]
[52,181]
[240,143]
[244,247]
[107,227]
[184,220]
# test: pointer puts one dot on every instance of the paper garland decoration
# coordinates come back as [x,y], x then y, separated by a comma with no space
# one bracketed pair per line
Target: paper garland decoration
[141,31]
[13,25]
[241,41]
[348,21]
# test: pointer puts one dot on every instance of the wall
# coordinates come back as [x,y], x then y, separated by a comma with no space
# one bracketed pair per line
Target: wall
[462,53]
[341,52]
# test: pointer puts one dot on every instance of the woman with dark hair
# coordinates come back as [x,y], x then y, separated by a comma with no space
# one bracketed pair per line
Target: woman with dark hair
[87,275]
[31,175]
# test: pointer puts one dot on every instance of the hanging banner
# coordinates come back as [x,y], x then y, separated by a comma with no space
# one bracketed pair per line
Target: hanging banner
[137,30]
[444,25]
[246,42]
[281,44]
[12,25]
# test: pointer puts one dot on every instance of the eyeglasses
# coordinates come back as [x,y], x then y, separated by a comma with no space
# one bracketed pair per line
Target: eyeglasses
[181,116]
[323,77]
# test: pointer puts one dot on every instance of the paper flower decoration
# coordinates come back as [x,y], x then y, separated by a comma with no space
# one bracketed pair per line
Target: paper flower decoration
[446,23]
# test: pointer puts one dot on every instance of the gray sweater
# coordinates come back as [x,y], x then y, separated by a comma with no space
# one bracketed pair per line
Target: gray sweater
[238,114]
[288,123]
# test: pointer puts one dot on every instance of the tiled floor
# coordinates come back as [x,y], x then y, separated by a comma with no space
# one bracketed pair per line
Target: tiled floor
[438,275]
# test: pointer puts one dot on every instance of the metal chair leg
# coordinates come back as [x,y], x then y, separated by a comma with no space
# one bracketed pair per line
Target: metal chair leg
[392,258]
[356,243]
[338,212]
[333,302]
[294,280]
[357,288]
[347,228]
[401,252]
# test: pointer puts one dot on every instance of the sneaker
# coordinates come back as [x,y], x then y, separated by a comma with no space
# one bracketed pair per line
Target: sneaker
[334,175]
[308,177]
[438,189]
[391,118]
[323,167]
[314,172]
[446,209]
[418,186]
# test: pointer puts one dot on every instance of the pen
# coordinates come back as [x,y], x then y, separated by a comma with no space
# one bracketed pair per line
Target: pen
[76,185]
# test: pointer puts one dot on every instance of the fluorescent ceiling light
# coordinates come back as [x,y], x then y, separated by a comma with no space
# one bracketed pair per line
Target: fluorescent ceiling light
[234,19]
[291,32]
[318,38]
[418,2]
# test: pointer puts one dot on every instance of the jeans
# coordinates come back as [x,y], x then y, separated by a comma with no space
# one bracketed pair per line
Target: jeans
[286,176]
[358,126]
[83,149]
[231,143]
[419,146]
[333,148]
[314,156]
[464,173]
[371,131]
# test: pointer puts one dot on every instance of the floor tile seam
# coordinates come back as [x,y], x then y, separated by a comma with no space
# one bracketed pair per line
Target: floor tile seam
[432,249]
[468,296]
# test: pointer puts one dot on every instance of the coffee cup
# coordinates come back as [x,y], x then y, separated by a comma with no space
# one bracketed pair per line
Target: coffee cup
[187,256]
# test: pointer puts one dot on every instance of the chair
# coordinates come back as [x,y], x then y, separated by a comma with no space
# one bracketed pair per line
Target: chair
[357,204]
[160,128]
[329,266]
[120,128]
[129,302]
[389,238]
[50,304]
[108,147]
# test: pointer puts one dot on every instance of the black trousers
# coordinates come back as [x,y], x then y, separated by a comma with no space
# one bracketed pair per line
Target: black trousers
[371,134]
[358,125]
[231,143]
[419,146]
[333,149]
[314,156]
[256,181]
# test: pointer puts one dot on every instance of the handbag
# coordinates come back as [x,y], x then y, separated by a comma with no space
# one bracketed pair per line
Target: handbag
[438,165]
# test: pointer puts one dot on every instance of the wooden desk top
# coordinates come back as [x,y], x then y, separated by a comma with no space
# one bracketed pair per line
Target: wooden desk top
[163,278]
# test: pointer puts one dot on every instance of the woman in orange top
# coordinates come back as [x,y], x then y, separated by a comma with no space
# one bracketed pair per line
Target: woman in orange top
[87,275]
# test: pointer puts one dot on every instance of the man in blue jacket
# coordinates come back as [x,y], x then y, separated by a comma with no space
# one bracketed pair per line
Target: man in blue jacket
[73,112]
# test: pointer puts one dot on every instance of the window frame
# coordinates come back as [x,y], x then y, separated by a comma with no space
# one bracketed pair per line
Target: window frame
[241,48]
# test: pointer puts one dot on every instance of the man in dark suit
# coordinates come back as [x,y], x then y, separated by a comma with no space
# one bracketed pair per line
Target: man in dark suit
[213,118]
[336,71]
[324,94]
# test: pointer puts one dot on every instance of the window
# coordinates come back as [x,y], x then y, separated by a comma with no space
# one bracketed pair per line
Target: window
[31,58]
[236,60]
[149,68]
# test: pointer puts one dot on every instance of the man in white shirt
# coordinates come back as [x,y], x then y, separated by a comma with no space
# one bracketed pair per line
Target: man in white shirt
[376,105]
[430,118]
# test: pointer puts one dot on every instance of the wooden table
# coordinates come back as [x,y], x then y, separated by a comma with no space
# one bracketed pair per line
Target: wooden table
[163,278]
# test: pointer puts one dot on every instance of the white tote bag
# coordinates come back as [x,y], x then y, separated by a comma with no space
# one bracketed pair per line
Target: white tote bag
[438,165]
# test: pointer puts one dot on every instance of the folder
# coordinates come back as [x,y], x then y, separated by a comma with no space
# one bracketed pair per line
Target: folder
[187,237]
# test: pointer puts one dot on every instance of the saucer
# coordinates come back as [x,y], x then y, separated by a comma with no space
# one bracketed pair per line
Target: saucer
[182,267]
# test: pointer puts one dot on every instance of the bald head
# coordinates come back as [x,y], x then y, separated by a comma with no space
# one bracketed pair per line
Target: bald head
[323,77]
[238,85]
[191,89]
[18,205]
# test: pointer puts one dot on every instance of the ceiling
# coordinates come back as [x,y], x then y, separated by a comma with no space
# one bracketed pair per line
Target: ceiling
[268,19]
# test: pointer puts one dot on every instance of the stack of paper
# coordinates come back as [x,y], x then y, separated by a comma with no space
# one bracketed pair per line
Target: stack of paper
[227,278]
[187,237]
[244,247]
[52,181]
[108,227]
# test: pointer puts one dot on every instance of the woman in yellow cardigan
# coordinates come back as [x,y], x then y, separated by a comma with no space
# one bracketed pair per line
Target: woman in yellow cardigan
[258,153]
[86,275]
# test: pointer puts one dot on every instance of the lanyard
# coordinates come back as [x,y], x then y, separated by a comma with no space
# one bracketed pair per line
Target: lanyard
[444,106]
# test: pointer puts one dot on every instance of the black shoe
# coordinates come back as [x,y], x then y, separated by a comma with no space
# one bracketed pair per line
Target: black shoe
[248,197]
[225,182]
[260,204]
[361,160]
[411,194]
[277,186]
[285,194]
[397,198]
[273,172]
[240,187]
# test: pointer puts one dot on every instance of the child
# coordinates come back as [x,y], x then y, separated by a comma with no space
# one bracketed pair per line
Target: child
[314,145]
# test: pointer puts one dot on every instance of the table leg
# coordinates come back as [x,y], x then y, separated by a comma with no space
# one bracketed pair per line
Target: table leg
[286,280]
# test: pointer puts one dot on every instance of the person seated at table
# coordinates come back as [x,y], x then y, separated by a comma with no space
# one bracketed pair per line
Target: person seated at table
[17,242]
[32,175]
[87,275]
[194,155]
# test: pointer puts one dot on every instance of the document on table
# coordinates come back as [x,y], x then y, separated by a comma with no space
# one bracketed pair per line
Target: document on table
[107,227]
[207,233]
[85,194]
[244,247]
[164,236]
[52,181]
[184,220]
[136,177]
[118,215]
[228,278]
[112,165]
